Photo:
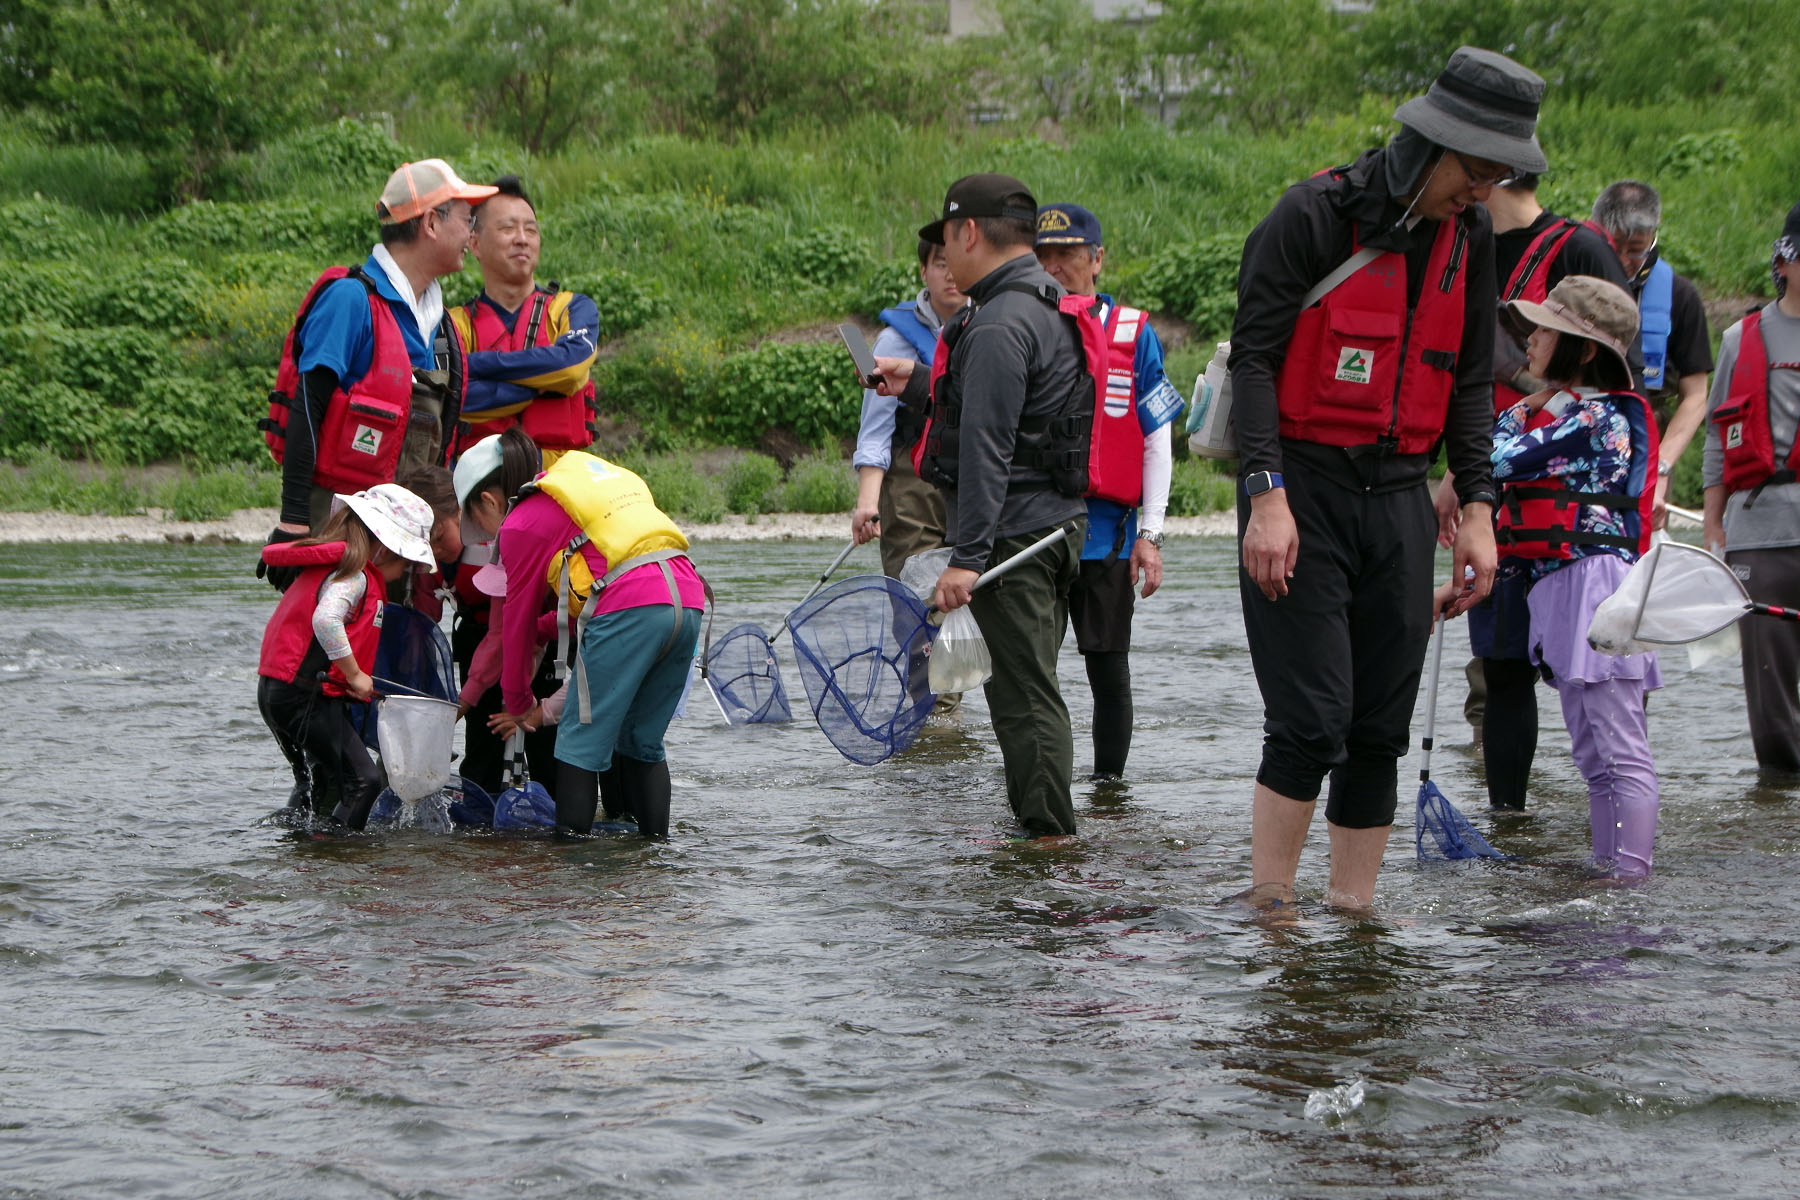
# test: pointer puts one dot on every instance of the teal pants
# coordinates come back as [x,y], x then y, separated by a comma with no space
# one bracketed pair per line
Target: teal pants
[1023,616]
[637,663]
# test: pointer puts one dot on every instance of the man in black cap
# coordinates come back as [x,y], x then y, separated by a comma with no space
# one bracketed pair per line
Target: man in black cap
[1012,375]
[1130,470]
[1365,336]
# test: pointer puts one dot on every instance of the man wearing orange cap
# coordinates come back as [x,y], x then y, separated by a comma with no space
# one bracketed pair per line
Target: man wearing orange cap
[371,378]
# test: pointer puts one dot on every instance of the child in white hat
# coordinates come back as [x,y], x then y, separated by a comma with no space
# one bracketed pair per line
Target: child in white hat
[323,636]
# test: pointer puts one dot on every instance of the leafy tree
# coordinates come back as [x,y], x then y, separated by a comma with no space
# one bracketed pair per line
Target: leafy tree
[1062,63]
[188,82]
[1268,63]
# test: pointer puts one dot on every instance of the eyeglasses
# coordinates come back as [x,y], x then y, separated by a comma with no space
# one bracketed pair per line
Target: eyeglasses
[1500,178]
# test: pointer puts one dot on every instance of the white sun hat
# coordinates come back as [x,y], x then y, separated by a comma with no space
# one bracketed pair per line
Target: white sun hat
[400,520]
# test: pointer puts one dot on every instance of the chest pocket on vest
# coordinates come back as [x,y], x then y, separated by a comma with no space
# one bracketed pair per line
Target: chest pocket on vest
[1358,360]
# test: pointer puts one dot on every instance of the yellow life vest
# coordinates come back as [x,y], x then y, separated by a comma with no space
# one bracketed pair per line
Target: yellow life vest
[614,509]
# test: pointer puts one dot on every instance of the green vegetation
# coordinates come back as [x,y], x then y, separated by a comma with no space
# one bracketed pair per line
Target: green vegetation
[42,483]
[728,178]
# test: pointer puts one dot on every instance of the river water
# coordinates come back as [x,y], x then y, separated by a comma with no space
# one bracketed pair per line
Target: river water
[844,981]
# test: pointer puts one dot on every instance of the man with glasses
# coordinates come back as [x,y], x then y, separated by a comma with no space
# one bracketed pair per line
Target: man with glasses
[371,379]
[1673,334]
[1340,405]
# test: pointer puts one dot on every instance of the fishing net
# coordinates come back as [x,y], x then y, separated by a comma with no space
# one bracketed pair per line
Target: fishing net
[1676,593]
[1451,835]
[740,668]
[413,653]
[415,733]
[863,646]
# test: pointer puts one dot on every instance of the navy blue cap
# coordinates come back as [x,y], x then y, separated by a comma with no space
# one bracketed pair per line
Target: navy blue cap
[1067,225]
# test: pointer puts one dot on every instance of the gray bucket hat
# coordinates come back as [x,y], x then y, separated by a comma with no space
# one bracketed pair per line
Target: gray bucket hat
[1483,104]
[1586,306]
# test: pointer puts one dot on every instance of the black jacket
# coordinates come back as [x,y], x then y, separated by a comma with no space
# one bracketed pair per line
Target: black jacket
[1309,233]
[1013,359]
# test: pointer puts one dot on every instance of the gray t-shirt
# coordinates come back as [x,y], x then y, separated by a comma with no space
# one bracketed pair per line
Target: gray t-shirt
[1774,520]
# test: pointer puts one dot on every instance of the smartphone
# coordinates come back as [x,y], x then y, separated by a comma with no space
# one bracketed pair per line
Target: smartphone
[860,354]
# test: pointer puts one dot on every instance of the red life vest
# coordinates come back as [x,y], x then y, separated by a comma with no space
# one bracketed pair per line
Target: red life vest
[1538,518]
[365,424]
[554,422]
[290,653]
[1362,369]
[1531,282]
[1082,448]
[1743,419]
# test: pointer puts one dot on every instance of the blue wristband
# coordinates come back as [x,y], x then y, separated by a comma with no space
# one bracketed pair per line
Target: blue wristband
[1258,482]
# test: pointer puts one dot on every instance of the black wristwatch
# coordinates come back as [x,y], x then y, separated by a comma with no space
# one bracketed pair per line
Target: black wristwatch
[1486,498]
[1258,482]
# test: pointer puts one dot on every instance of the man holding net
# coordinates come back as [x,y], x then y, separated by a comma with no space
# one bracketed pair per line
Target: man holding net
[1010,366]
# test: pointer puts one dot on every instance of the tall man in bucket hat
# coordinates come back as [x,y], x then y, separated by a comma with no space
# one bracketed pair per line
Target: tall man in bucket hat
[1339,410]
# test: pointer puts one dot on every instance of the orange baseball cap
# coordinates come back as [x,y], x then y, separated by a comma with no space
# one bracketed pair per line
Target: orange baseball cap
[418,187]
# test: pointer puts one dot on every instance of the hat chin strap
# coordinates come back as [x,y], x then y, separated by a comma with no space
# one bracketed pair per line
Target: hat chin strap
[1406,218]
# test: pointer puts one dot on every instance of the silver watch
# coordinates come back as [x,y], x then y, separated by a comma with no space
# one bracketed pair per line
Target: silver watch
[1155,539]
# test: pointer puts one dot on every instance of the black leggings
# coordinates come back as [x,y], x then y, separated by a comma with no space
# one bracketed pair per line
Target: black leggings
[1109,676]
[1509,729]
[325,751]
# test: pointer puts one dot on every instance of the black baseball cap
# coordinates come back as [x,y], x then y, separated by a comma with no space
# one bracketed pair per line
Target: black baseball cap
[981,196]
[1067,225]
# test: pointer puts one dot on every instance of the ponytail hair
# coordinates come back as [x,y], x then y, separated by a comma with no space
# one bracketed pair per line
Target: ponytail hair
[520,463]
[359,544]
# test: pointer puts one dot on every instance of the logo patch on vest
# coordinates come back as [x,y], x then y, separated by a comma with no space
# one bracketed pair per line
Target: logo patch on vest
[379,610]
[1354,366]
[367,440]
[1734,435]
[1118,393]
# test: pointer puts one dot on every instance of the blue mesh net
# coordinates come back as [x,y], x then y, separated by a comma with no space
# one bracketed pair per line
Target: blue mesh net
[740,668]
[862,647]
[414,652]
[1449,832]
[525,806]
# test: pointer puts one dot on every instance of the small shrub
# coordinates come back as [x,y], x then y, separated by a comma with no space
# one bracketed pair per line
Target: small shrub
[808,388]
[828,256]
[625,302]
[752,484]
[40,229]
[1200,486]
[885,286]
[680,490]
[819,484]
[346,152]
[1197,282]
[1691,153]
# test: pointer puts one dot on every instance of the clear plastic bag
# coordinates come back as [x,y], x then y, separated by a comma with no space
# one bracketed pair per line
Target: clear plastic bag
[959,655]
[919,574]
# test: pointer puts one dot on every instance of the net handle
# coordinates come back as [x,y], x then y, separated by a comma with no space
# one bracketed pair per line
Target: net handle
[1431,691]
[823,580]
[1044,543]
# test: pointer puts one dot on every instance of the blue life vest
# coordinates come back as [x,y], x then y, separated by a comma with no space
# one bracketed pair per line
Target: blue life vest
[1655,304]
[904,320]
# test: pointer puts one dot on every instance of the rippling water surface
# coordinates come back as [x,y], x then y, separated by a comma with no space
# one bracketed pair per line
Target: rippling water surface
[844,981]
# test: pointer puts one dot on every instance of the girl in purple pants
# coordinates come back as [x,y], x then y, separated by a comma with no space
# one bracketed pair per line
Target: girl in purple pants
[1577,464]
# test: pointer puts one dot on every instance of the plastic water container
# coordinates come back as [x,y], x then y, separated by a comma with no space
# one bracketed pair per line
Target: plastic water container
[1210,432]
[415,734]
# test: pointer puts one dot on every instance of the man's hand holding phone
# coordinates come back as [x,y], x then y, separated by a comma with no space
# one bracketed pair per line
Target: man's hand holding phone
[894,373]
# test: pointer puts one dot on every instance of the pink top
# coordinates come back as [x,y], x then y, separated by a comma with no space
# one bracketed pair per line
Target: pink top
[533,532]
